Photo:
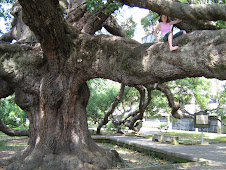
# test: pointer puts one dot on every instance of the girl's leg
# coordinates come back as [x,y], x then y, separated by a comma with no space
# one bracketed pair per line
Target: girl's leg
[179,34]
[170,41]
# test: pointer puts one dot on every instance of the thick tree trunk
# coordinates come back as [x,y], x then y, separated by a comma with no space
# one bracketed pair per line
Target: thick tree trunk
[59,136]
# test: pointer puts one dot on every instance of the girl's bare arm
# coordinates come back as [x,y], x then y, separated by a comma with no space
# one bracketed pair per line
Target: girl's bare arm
[155,33]
[175,21]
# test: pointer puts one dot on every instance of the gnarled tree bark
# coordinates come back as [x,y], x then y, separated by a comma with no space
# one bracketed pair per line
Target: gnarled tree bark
[49,79]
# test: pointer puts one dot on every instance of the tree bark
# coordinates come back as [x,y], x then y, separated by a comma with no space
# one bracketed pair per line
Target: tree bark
[56,102]
[132,63]
[59,129]
[209,12]
[49,79]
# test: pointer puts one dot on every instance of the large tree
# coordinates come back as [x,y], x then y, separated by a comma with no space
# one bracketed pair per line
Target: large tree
[49,78]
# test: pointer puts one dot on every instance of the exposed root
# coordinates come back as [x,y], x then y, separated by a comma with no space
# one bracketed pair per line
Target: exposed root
[79,161]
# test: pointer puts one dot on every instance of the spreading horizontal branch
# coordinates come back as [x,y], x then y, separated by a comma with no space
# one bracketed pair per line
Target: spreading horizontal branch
[209,12]
[200,53]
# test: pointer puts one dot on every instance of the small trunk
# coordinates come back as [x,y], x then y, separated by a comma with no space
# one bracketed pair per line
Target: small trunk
[59,136]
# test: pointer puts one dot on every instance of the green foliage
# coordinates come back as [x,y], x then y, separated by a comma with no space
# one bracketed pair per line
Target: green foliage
[94,5]
[222,103]
[5,6]
[11,114]
[129,26]
[109,126]
[221,24]
[103,93]
[149,21]
[108,7]
[189,88]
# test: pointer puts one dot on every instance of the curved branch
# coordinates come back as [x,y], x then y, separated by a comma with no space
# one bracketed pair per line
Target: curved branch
[11,132]
[209,12]
[174,105]
[112,26]
[138,114]
[111,109]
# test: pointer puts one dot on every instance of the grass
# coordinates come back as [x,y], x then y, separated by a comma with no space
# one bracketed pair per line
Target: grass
[219,139]
[184,135]
[192,138]
[15,144]
[2,135]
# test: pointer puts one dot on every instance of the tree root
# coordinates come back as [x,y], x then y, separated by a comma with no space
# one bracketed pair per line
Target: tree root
[79,161]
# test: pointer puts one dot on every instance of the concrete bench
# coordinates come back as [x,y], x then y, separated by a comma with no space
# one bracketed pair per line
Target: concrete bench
[166,138]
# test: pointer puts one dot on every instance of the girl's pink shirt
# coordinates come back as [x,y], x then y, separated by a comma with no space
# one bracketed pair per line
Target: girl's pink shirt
[165,28]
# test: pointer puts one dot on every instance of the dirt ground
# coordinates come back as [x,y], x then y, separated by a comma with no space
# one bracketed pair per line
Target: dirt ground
[132,159]
[9,147]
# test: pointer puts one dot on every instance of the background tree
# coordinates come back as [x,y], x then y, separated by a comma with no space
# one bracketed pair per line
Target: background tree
[11,114]
[49,78]
[102,94]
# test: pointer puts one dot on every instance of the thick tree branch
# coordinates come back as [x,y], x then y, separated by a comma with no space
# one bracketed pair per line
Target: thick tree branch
[112,26]
[11,132]
[20,69]
[90,22]
[200,53]
[5,88]
[46,20]
[191,26]
[209,12]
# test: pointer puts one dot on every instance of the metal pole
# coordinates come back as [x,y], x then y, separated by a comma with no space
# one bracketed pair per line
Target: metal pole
[202,136]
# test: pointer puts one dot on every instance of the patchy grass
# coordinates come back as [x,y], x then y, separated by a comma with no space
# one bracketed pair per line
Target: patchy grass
[185,135]
[219,139]
[2,135]
[194,138]
[10,147]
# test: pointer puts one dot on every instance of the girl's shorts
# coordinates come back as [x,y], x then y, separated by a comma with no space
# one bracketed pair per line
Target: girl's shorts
[165,37]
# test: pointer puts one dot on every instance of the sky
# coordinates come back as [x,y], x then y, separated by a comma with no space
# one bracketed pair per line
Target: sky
[125,13]
[2,22]
[137,14]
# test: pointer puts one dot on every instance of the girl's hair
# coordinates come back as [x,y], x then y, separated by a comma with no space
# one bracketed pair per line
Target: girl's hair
[168,19]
